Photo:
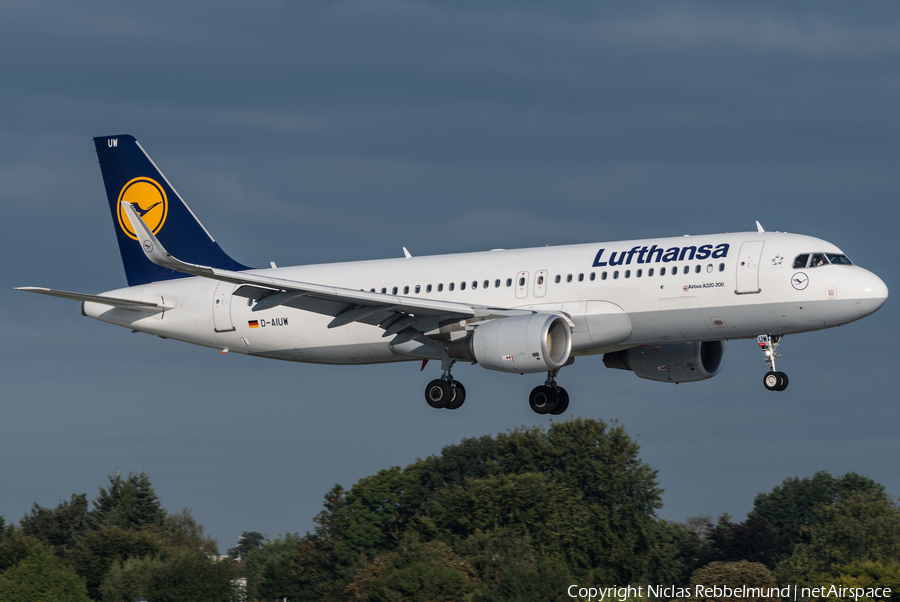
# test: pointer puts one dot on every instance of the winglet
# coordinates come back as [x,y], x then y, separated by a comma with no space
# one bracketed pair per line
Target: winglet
[406,253]
[154,250]
[759,227]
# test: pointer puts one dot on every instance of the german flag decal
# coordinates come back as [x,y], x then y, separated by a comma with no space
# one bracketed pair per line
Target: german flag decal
[253,323]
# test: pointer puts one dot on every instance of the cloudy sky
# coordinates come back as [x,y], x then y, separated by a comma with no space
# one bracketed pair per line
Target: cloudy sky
[308,132]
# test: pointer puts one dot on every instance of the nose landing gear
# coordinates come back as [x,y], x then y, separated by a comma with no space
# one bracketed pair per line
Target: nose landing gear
[773,381]
[549,398]
[444,392]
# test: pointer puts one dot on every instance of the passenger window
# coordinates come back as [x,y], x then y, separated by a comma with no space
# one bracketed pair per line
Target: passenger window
[474,284]
[709,269]
[395,290]
[558,279]
[697,270]
[628,273]
[452,285]
[497,283]
[540,280]
[603,276]
[721,267]
[462,286]
[616,275]
[522,281]
[687,269]
[569,278]
[818,259]
[649,272]
[800,261]
[593,275]
[383,291]
[372,291]
[405,290]
[440,287]
[639,272]
[508,282]
[580,277]
[486,284]
[662,271]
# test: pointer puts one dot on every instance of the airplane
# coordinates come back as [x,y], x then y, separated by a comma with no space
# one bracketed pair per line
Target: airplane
[661,308]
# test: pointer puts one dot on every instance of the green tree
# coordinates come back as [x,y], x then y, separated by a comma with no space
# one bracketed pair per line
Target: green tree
[248,541]
[186,577]
[129,503]
[510,570]
[5,530]
[862,527]
[551,516]
[18,546]
[41,577]
[753,540]
[98,550]
[415,572]
[59,527]
[735,575]
[792,505]
[881,574]
[131,579]
[269,572]
[182,533]
[314,560]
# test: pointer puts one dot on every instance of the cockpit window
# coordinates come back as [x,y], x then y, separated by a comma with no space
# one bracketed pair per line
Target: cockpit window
[836,259]
[801,260]
[818,259]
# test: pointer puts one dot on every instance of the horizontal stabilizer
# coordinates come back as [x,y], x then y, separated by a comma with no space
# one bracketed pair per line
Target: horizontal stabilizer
[123,303]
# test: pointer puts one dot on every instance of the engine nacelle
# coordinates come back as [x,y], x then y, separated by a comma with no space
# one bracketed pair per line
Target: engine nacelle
[675,363]
[521,344]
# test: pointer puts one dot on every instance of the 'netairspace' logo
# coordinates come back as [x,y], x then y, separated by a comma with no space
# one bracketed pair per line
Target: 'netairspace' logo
[149,201]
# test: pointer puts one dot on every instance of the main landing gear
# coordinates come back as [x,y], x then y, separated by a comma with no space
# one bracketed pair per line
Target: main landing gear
[549,398]
[444,392]
[774,381]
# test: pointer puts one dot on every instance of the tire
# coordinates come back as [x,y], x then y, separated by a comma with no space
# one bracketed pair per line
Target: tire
[458,396]
[563,404]
[438,393]
[772,380]
[543,399]
[783,381]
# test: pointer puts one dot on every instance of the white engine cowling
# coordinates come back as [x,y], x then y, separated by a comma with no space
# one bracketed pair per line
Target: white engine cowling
[521,344]
[675,363]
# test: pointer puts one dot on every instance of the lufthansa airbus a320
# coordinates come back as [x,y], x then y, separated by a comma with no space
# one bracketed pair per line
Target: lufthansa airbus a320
[661,308]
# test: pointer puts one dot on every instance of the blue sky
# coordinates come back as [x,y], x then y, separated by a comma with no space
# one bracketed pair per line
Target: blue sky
[321,132]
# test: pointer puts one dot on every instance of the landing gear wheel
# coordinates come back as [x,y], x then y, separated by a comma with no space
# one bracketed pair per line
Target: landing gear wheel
[775,381]
[563,404]
[438,393]
[784,381]
[458,395]
[543,399]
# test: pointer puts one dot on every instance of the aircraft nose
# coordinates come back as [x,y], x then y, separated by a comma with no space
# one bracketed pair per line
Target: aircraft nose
[870,289]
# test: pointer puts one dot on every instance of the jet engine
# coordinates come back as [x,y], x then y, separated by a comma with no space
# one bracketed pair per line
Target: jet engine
[674,363]
[520,344]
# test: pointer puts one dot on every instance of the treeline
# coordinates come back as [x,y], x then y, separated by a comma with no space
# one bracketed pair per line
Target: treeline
[521,516]
[124,547]
[525,514]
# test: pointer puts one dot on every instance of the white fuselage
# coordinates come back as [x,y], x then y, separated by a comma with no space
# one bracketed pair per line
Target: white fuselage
[715,287]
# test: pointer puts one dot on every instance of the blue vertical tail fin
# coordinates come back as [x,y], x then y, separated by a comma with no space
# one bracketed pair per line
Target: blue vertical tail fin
[130,175]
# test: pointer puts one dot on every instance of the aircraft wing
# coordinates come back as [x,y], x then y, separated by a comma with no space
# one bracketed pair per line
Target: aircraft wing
[406,317]
[123,303]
